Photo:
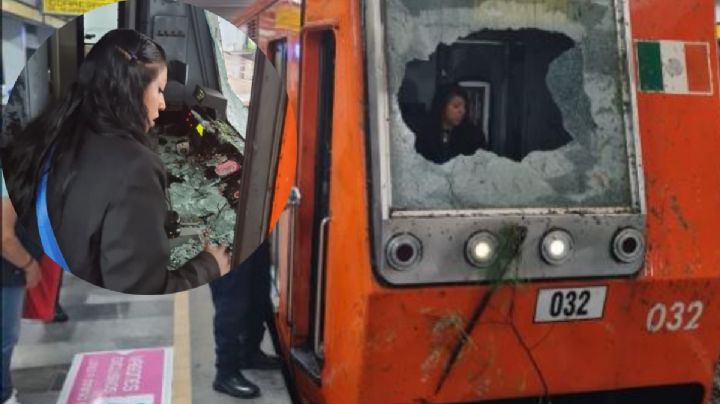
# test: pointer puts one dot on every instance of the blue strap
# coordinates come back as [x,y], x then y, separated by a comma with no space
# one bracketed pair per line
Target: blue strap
[47,236]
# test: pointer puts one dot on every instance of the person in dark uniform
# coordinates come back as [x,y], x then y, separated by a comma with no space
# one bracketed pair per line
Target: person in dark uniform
[449,132]
[242,306]
[84,178]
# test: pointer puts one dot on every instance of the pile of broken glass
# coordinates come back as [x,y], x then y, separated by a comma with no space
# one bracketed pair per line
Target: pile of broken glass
[204,175]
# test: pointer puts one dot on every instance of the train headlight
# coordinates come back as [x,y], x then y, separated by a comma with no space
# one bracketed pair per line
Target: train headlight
[403,251]
[628,245]
[557,247]
[481,249]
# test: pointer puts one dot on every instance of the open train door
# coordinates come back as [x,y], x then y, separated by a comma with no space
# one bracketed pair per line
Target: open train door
[262,147]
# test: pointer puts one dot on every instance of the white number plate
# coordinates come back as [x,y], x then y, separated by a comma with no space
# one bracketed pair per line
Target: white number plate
[570,304]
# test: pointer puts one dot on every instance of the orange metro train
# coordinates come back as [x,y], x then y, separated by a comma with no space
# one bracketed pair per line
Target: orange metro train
[572,260]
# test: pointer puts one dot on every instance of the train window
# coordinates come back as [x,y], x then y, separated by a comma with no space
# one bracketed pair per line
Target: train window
[325,53]
[545,94]
[235,75]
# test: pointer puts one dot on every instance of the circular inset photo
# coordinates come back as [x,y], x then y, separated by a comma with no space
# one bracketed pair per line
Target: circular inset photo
[144,149]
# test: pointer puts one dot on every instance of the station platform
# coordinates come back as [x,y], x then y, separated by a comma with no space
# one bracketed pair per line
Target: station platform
[102,320]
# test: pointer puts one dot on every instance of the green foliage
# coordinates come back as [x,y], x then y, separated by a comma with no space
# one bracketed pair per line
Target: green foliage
[510,239]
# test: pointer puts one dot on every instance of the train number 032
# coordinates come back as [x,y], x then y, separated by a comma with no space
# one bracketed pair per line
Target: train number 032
[569,303]
[678,316]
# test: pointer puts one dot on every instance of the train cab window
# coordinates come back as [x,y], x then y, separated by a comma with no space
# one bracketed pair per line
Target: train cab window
[487,90]
[235,73]
[545,120]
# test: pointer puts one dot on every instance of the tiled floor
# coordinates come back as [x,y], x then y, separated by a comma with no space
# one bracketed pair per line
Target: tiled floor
[99,320]
[105,320]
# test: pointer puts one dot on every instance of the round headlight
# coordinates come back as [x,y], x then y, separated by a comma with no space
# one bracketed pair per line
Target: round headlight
[403,251]
[628,245]
[557,247]
[481,249]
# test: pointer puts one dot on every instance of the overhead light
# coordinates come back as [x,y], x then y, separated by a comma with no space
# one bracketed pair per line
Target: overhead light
[403,251]
[557,247]
[481,249]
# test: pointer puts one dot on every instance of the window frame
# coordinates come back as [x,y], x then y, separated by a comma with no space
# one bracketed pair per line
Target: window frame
[379,128]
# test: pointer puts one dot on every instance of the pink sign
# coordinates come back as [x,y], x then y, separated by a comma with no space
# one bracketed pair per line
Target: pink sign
[138,376]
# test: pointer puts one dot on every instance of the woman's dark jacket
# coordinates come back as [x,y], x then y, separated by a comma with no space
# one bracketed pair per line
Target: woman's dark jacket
[108,212]
[465,139]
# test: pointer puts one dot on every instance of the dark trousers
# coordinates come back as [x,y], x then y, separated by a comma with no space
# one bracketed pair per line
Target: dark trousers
[242,304]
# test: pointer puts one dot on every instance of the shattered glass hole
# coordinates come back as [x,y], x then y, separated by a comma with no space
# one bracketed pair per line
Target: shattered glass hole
[545,105]
[499,78]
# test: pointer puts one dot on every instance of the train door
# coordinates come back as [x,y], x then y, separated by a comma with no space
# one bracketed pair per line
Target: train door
[264,133]
[317,111]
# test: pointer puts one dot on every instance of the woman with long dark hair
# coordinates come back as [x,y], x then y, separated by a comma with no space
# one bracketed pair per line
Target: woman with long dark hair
[83,177]
[449,132]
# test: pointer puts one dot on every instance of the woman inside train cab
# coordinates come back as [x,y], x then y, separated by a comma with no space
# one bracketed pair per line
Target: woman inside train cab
[85,180]
[449,132]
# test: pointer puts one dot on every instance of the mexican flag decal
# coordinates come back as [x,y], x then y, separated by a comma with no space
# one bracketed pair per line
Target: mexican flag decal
[674,67]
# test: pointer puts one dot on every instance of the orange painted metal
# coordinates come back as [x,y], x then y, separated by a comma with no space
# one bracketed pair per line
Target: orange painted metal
[387,345]
[287,161]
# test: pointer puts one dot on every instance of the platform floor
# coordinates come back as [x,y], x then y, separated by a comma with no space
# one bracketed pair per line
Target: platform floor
[105,320]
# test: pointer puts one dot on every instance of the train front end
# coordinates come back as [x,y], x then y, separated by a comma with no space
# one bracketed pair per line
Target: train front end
[573,258]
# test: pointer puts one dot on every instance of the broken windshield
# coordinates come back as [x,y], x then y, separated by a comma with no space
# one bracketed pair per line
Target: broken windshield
[204,176]
[506,104]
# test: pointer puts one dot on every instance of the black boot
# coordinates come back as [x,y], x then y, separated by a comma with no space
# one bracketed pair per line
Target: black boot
[60,315]
[236,385]
[261,360]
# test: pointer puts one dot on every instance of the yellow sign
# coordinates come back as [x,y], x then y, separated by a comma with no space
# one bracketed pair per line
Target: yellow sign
[200,129]
[287,17]
[73,7]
